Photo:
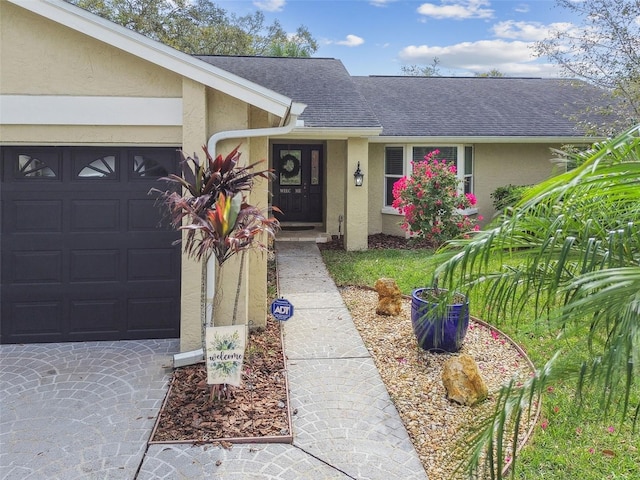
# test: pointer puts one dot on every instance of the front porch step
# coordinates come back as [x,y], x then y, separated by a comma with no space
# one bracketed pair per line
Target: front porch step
[310,235]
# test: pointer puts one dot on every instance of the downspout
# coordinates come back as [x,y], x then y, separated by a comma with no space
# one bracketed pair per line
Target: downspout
[288,123]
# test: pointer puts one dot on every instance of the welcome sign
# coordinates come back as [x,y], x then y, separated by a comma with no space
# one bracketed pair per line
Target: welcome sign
[225,354]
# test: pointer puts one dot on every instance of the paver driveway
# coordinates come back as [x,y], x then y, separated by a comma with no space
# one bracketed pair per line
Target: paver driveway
[79,410]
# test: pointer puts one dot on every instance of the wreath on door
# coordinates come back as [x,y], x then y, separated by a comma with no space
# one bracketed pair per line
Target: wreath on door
[289,166]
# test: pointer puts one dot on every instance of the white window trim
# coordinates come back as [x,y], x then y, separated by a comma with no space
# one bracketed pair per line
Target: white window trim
[408,157]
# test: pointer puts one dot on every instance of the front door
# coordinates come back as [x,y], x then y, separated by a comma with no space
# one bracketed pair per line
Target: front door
[298,185]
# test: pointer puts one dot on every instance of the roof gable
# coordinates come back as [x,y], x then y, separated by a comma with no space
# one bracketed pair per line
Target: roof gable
[323,84]
[132,42]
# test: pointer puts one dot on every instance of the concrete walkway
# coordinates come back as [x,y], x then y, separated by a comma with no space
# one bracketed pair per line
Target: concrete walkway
[86,410]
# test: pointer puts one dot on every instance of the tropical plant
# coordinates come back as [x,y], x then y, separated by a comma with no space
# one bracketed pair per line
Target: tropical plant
[430,201]
[213,202]
[572,246]
[211,207]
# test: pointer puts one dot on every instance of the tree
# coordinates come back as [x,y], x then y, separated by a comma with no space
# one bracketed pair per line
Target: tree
[200,27]
[604,51]
[432,70]
[572,245]
[301,44]
[494,72]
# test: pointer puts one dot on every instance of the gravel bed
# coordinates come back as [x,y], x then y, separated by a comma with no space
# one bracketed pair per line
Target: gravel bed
[413,378]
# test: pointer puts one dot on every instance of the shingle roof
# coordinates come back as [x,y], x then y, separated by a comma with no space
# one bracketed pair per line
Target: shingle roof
[475,106]
[419,106]
[332,99]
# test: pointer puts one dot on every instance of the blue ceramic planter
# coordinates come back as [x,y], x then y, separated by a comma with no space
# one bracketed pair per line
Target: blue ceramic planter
[438,332]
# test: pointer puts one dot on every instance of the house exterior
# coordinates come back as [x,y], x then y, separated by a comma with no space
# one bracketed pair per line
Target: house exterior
[92,114]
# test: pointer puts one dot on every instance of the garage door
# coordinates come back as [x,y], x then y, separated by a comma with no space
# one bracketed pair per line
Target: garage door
[85,254]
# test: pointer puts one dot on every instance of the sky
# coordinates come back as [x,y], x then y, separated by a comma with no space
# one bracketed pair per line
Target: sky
[378,37]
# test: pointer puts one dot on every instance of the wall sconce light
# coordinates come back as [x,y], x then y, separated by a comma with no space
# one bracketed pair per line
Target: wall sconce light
[358,176]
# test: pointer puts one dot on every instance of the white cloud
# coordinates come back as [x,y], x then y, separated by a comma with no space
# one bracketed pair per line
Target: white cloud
[466,53]
[381,3]
[351,41]
[522,8]
[457,9]
[270,5]
[528,31]
[513,58]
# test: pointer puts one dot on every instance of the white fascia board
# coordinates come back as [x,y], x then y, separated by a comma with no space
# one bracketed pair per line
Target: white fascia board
[79,110]
[461,140]
[334,133]
[155,52]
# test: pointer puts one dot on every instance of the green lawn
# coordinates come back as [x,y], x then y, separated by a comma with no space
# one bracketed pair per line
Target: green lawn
[566,445]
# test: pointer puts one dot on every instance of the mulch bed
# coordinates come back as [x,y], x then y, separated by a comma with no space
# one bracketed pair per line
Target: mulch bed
[380,241]
[258,409]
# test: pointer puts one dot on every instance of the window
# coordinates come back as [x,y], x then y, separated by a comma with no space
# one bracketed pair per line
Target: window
[396,164]
[450,154]
[30,167]
[468,170]
[393,171]
[104,167]
[147,167]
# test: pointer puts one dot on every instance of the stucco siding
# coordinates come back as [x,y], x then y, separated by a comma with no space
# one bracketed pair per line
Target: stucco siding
[257,264]
[41,57]
[90,135]
[226,113]
[194,134]
[376,187]
[498,165]
[336,158]
[357,198]
[391,225]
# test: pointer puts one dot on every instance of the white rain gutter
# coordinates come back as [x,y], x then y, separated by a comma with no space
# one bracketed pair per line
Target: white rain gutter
[288,124]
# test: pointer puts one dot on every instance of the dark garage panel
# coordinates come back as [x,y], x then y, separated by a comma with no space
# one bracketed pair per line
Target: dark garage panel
[94,266]
[35,318]
[84,252]
[36,267]
[36,216]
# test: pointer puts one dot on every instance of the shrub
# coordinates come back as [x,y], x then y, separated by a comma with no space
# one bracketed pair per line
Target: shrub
[507,196]
[430,202]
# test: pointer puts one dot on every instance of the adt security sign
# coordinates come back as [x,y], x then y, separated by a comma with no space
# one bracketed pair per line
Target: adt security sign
[282,309]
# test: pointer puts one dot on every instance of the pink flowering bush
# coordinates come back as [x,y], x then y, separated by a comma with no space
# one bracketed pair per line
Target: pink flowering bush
[430,202]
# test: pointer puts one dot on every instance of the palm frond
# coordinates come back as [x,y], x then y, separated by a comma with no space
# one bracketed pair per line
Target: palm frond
[570,251]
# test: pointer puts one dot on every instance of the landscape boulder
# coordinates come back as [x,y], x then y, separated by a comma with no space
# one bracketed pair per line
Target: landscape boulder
[462,380]
[389,297]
